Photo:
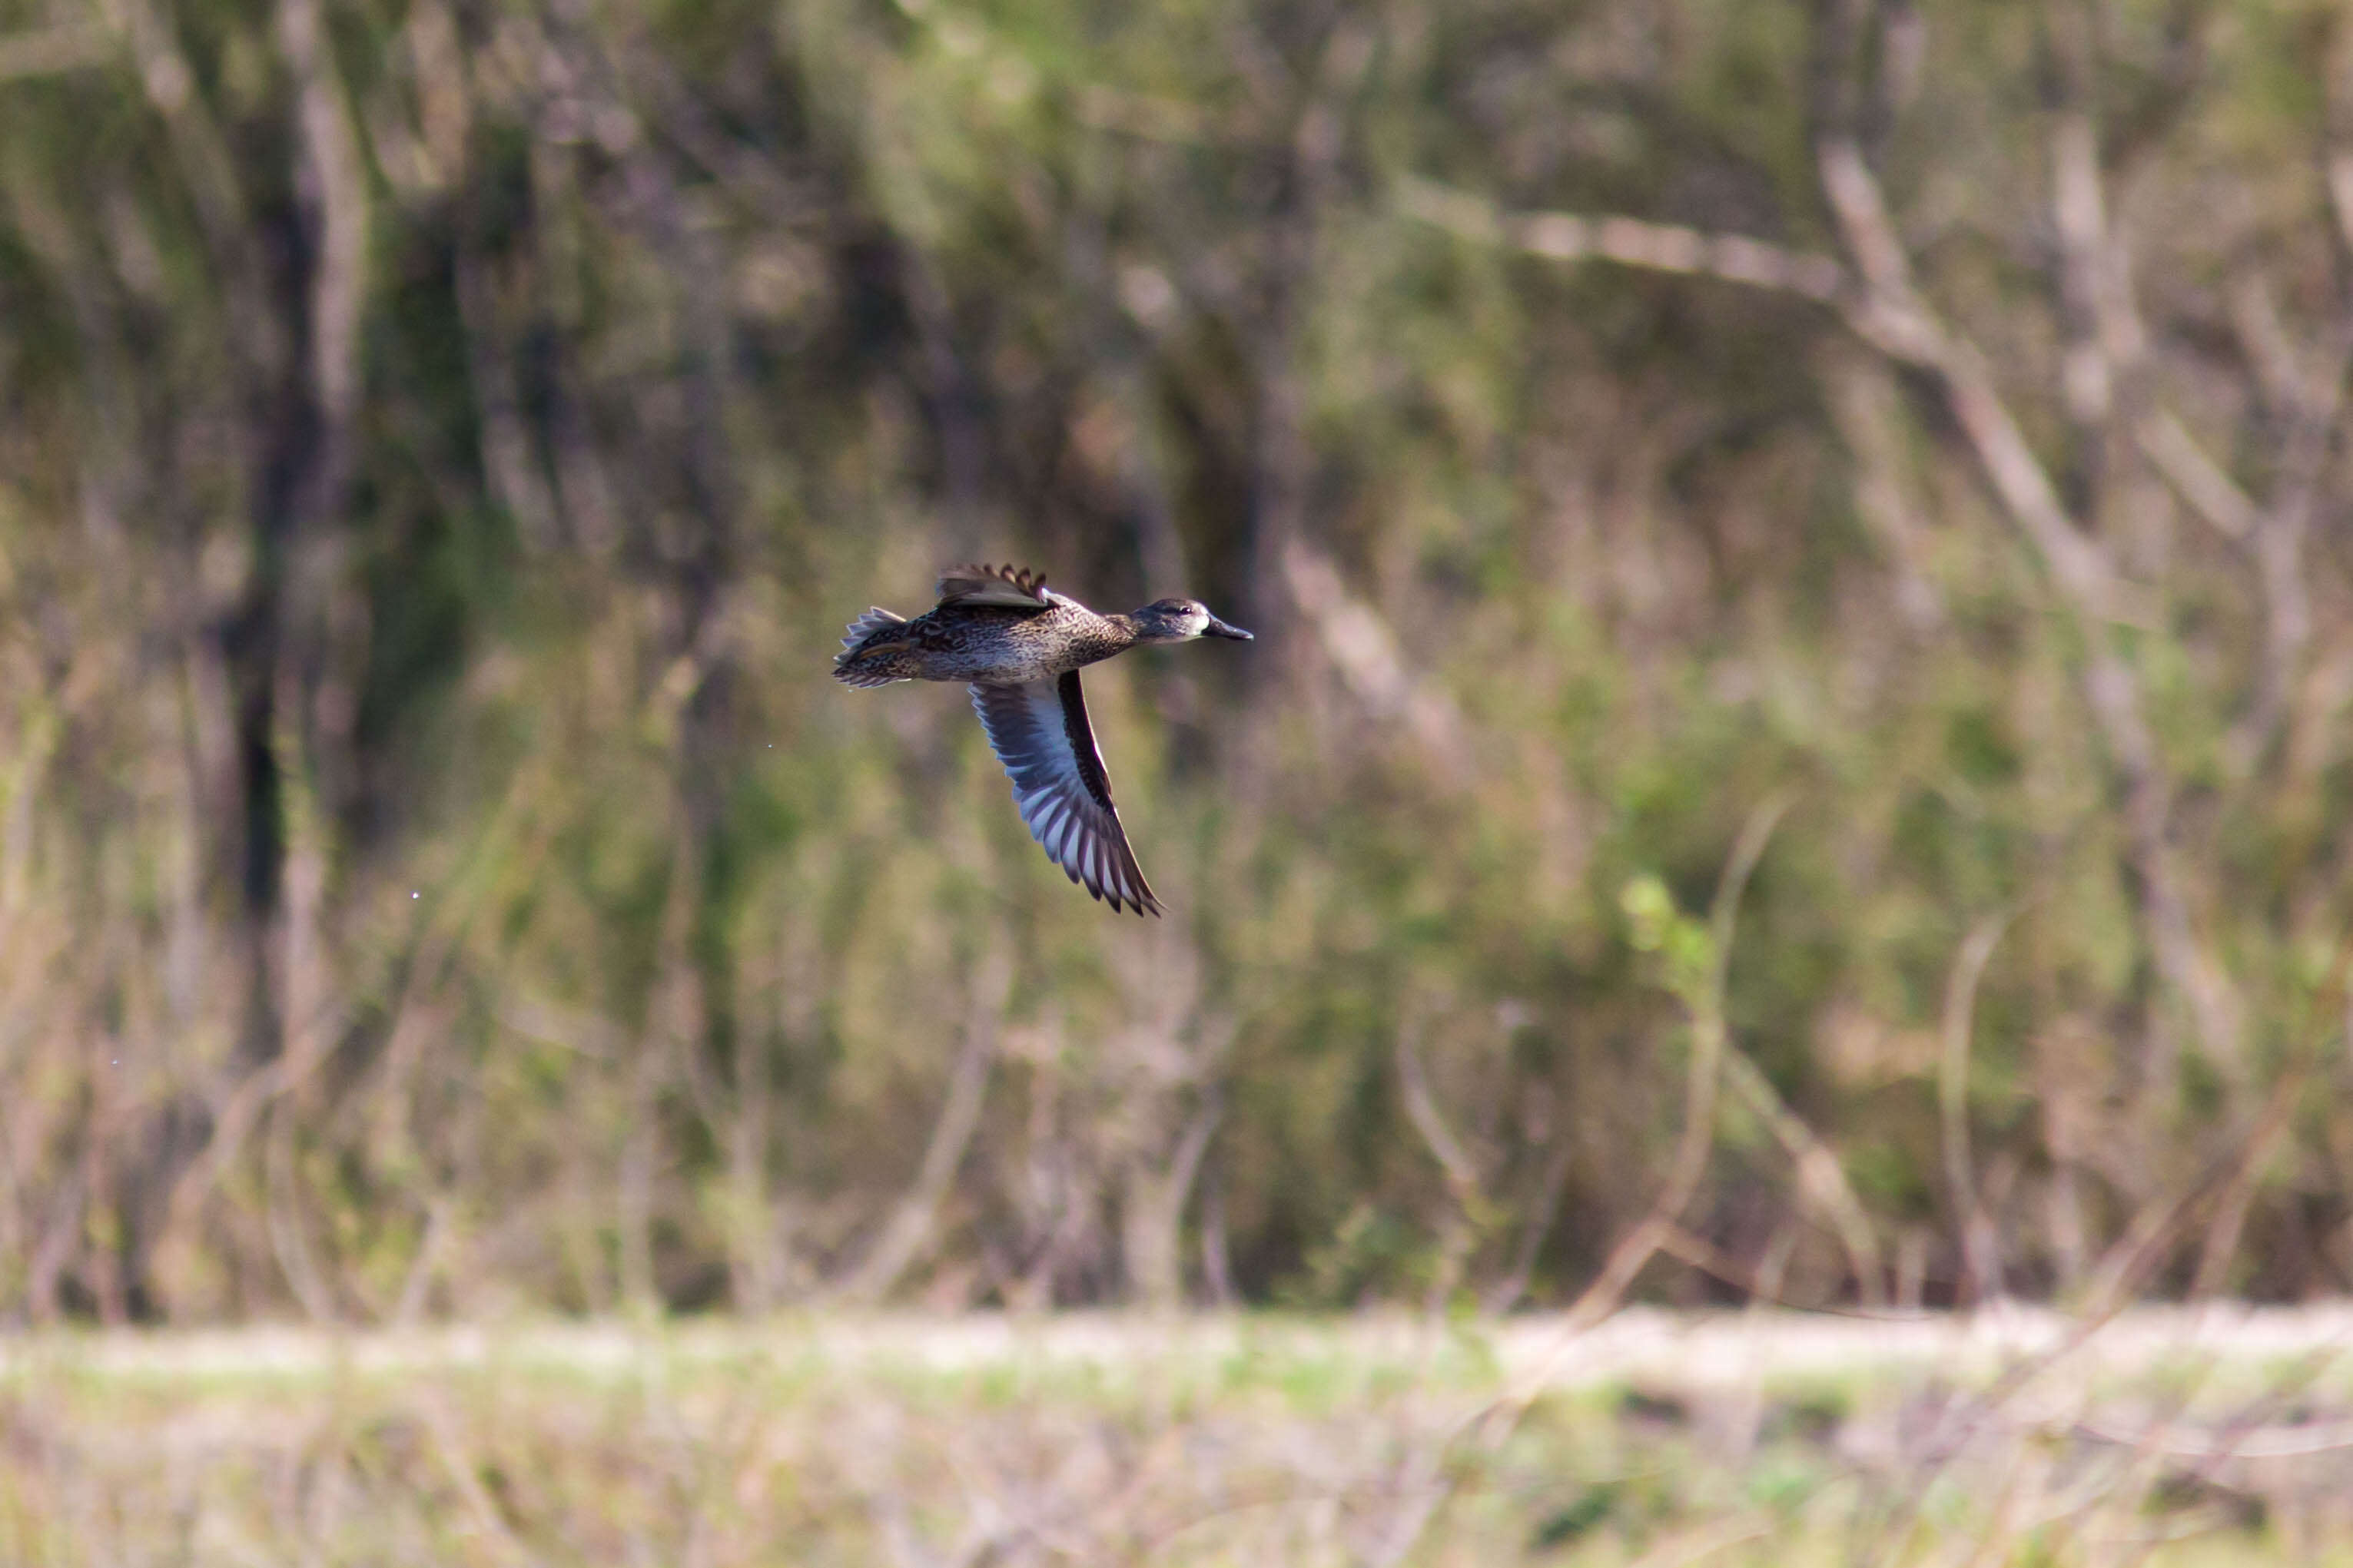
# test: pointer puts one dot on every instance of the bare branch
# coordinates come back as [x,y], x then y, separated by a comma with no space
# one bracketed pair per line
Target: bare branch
[2268,344]
[1887,313]
[2340,193]
[2101,330]
[2337,150]
[1862,401]
[2308,404]
[2261,1443]
[1883,310]
[465,1468]
[2161,1225]
[2153,1232]
[1421,1110]
[281,1214]
[1896,319]
[332,149]
[1708,1035]
[208,166]
[1712,1260]
[1508,1290]
[1893,319]
[1154,1211]
[1365,651]
[2213,494]
[1283,461]
[909,1229]
[1980,1250]
[1460,1235]
[1630,242]
[431,1250]
[507,458]
[51,51]
[1822,1180]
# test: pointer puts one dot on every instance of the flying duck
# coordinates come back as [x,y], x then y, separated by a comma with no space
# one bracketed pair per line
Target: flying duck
[1020,646]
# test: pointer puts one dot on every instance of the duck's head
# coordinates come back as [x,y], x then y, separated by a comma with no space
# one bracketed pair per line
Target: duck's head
[1181,620]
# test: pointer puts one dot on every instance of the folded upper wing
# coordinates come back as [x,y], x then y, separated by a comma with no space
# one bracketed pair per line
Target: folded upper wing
[1005,587]
[1040,731]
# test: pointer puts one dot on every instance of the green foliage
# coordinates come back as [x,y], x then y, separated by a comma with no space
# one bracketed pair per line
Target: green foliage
[442,443]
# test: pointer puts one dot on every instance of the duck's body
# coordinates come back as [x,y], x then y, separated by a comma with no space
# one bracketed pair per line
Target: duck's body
[1020,646]
[983,642]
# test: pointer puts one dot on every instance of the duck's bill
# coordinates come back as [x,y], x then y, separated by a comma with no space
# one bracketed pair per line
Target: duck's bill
[1217,628]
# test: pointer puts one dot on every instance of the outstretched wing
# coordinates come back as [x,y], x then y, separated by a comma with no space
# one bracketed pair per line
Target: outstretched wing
[1002,587]
[1040,731]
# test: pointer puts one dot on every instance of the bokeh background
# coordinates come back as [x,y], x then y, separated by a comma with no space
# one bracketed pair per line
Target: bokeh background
[1800,560]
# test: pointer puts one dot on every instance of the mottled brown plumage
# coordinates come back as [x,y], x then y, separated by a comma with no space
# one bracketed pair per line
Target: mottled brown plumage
[1020,646]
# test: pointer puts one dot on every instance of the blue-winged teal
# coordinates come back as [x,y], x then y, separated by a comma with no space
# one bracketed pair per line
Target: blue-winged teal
[1021,645]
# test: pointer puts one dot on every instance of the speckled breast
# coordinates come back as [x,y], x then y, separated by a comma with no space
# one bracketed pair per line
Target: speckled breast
[1009,647]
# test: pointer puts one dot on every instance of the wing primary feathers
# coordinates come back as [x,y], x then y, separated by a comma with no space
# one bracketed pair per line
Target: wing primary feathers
[1079,738]
[1040,732]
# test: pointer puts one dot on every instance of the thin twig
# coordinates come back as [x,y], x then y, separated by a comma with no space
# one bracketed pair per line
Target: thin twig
[1508,1290]
[1493,1422]
[1979,1257]
[909,1228]
[1463,1181]
[1707,1044]
[1821,1179]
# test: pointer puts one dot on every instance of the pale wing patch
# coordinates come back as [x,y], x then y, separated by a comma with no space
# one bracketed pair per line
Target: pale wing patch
[1038,731]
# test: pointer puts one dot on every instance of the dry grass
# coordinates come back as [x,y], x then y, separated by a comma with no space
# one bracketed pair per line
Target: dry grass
[2167,1436]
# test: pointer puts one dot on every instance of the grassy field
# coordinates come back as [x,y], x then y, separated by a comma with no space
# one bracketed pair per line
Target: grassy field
[2167,1438]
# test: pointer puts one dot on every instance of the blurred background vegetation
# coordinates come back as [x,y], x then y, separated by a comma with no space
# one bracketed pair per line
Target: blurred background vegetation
[1883,453]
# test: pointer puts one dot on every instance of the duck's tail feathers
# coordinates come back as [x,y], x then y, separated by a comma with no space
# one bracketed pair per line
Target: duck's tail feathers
[866,626]
[850,666]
